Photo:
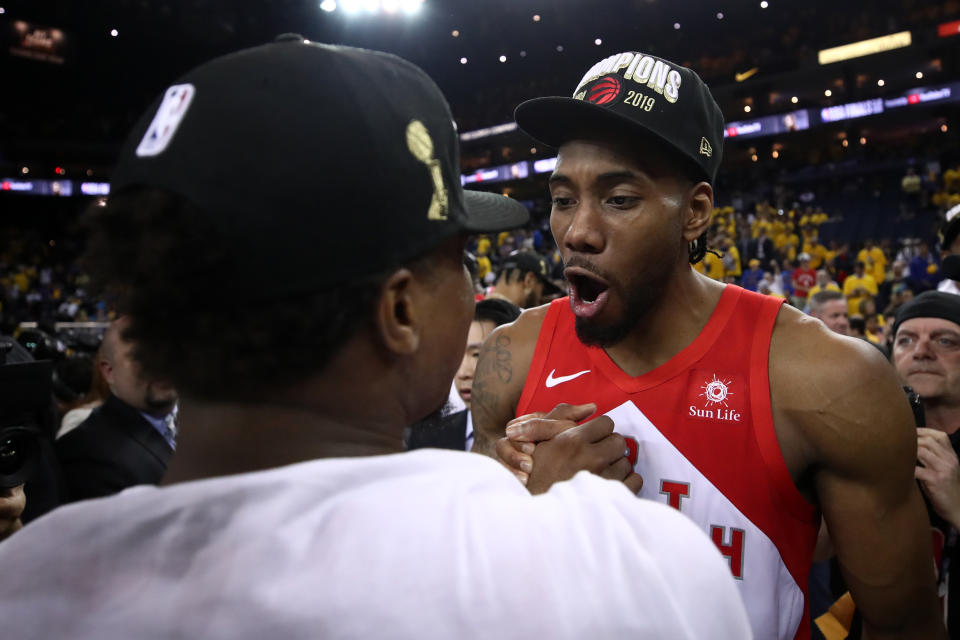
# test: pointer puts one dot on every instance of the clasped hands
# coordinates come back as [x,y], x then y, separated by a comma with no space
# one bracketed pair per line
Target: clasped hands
[544,448]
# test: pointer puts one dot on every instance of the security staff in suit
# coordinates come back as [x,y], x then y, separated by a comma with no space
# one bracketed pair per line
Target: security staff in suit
[455,430]
[129,439]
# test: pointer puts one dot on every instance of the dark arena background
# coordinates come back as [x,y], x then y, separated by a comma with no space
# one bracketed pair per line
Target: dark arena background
[828,107]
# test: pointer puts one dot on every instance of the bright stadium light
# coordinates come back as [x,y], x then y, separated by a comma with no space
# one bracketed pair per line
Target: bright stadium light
[328,5]
[411,7]
[352,6]
[371,6]
[390,6]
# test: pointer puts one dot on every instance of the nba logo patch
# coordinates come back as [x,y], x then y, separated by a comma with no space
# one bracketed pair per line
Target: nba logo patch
[174,106]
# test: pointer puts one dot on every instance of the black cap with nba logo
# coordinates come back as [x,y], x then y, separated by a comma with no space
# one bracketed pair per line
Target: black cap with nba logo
[316,163]
[637,92]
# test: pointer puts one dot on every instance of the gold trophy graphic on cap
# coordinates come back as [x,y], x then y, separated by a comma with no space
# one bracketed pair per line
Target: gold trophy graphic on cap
[421,146]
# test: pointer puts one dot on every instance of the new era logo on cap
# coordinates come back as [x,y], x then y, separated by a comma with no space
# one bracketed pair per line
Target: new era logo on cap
[705,148]
[174,106]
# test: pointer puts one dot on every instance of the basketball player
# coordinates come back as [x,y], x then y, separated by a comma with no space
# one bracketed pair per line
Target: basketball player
[739,411]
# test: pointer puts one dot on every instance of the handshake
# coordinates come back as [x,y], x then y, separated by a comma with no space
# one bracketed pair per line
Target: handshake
[544,448]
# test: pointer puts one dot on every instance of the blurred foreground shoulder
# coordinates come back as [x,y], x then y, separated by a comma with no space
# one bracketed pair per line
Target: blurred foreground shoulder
[613,565]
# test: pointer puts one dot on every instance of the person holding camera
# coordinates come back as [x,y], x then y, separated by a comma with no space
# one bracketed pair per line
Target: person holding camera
[926,354]
[12,503]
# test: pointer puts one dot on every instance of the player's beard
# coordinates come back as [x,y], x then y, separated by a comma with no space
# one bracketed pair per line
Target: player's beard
[639,299]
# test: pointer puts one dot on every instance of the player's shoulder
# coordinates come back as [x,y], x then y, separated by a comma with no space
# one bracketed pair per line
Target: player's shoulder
[807,347]
[639,550]
[527,325]
[824,384]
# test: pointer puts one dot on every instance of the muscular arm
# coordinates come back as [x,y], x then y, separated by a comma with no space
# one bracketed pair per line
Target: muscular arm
[501,373]
[854,427]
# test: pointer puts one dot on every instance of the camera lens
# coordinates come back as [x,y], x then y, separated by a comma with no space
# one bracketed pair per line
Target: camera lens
[11,454]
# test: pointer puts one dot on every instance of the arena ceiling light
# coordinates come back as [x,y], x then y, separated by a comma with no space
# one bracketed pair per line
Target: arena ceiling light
[373,7]
[865,47]
[411,7]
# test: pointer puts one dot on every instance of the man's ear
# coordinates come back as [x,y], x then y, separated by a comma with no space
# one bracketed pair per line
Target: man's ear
[529,281]
[699,211]
[106,370]
[397,315]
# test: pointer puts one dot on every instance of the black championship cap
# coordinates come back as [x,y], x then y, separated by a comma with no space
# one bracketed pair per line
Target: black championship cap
[639,92]
[316,163]
[930,304]
[527,261]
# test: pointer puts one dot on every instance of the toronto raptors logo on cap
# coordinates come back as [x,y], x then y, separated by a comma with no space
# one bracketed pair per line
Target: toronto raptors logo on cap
[605,91]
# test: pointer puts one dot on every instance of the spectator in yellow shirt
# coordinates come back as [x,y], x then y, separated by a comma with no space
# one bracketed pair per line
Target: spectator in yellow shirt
[859,286]
[872,255]
[824,283]
[483,246]
[818,252]
[731,258]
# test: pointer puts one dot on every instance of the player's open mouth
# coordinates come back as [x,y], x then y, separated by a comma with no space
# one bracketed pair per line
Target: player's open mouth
[588,293]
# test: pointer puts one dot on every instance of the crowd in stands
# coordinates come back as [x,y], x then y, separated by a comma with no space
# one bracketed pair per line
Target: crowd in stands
[41,284]
[783,253]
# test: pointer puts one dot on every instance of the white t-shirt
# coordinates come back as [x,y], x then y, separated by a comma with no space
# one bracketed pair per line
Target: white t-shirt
[426,544]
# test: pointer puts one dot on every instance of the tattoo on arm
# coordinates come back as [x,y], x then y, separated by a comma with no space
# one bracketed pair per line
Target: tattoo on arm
[494,369]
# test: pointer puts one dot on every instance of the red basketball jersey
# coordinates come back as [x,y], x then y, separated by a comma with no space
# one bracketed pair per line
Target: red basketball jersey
[702,428]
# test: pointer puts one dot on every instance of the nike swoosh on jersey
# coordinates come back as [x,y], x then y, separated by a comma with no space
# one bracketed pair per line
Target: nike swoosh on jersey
[552,382]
